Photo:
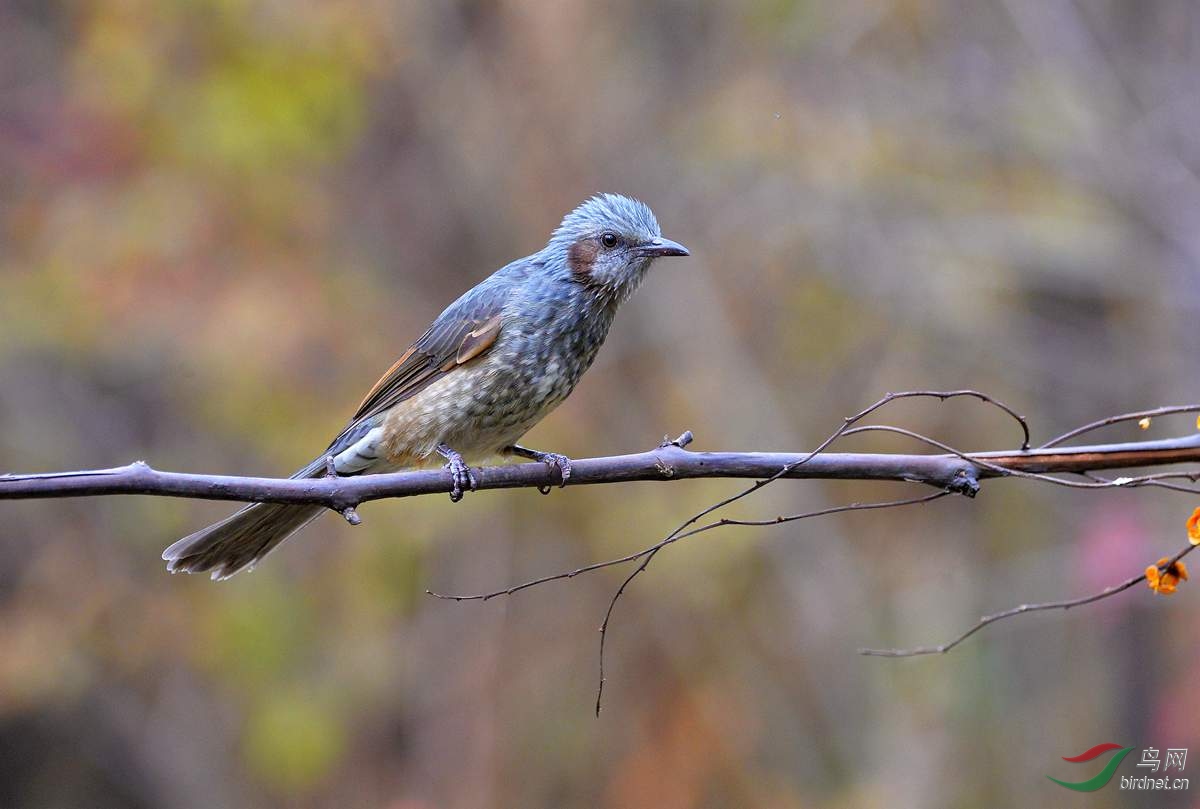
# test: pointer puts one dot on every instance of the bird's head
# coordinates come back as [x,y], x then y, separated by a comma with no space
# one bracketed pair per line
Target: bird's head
[608,242]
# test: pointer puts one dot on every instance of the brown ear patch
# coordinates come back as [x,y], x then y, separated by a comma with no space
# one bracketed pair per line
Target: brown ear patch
[581,255]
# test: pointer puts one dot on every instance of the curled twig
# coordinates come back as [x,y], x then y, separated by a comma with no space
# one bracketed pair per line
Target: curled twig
[941,395]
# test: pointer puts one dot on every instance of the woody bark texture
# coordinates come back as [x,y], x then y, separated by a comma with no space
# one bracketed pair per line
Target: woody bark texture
[668,462]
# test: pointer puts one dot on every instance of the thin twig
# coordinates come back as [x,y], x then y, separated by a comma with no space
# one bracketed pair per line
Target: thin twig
[965,482]
[1160,480]
[975,466]
[1135,416]
[941,395]
[675,537]
[1012,469]
[1021,610]
[648,554]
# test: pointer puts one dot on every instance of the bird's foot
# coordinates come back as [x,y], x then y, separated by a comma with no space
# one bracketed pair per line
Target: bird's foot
[555,461]
[464,477]
[552,459]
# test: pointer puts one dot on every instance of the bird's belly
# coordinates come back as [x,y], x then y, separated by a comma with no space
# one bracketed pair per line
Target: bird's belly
[477,409]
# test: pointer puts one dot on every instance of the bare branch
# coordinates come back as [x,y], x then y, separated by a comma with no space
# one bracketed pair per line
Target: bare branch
[956,471]
[1135,416]
[673,537]
[941,395]
[1023,463]
[1077,460]
[1021,610]
[648,554]
[950,472]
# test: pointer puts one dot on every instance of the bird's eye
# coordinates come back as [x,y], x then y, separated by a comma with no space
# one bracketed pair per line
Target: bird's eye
[609,240]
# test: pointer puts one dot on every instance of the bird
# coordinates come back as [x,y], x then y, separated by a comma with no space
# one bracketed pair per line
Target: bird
[493,364]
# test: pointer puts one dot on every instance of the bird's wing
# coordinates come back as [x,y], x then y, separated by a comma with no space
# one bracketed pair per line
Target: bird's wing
[460,334]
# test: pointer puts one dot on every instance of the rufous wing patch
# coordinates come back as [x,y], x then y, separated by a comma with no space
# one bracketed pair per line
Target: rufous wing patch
[478,340]
[387,378]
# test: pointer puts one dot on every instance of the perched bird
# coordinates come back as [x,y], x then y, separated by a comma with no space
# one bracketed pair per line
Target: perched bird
[491,366]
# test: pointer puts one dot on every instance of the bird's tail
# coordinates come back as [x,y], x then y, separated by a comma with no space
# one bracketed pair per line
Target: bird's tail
[241,539]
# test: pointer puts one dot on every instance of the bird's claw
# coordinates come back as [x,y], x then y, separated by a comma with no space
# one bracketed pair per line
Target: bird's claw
[551,459]
[464,478]
[462,475]
[560,462]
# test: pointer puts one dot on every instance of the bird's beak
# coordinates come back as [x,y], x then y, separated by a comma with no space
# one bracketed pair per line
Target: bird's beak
[656,248]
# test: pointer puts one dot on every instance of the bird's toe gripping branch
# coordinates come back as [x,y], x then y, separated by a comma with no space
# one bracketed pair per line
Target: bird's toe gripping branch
[552,459]
[464,478]
[560,462]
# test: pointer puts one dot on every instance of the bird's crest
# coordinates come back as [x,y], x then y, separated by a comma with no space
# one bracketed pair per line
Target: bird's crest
[611,211]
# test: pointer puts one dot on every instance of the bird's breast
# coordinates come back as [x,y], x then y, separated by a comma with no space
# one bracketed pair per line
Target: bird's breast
[488,403]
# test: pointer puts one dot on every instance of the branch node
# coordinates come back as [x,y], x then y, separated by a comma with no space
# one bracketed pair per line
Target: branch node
[965,482]
[351,515]
[682,441]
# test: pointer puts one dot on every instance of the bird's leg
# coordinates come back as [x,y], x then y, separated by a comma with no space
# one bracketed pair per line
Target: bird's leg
[552,459]
[463,476]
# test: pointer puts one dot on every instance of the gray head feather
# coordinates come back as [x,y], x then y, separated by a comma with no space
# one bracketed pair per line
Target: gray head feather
[626,216]
[606,245]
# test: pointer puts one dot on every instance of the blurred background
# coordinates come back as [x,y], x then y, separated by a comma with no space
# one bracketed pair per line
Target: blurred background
[221,220]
